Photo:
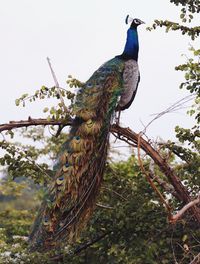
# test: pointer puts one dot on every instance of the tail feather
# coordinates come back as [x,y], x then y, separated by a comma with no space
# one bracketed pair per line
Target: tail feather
[79,171]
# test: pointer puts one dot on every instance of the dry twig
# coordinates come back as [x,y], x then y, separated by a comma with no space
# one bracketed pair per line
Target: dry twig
[57,85]
[180,213]
[196,260]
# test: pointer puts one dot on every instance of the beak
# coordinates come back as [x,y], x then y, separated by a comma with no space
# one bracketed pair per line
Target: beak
[142,22]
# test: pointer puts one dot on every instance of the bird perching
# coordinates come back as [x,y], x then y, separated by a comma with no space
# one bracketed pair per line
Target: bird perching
[131,74]
[71,197]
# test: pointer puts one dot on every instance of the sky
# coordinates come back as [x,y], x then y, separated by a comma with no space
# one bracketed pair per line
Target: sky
[79,36]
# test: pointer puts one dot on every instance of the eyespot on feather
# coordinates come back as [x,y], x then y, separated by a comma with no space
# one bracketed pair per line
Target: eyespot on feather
[60,180]
[77,144]
[46,221]
[89,85]
[90,127]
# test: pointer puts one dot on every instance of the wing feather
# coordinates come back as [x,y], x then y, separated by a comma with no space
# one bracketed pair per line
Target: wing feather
[131,78]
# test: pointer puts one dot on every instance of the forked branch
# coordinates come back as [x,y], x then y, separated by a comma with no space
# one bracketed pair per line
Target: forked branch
[180,213]
[126,134]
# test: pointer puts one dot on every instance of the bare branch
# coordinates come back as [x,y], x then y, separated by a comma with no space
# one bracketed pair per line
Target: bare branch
[57,85]
[118,194]
[165,185]
[182,192]
[104,206]
[174,107]
[126,134]
[34,122]
[178,215]
[196,260]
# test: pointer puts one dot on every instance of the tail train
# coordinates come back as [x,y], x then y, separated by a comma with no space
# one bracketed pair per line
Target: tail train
[71,197]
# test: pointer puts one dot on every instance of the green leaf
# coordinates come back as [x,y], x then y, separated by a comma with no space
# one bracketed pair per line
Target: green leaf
[46,109]
[17,102]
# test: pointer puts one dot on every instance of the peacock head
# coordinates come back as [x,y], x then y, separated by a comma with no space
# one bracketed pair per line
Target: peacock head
[131,48]
[135,22]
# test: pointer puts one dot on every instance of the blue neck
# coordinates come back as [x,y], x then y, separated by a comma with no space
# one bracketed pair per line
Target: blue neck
[132,45]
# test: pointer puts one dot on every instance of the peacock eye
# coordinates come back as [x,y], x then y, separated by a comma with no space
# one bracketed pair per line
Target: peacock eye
[89,85]
[67,164]
[46,220]
[102,76]
[60,180]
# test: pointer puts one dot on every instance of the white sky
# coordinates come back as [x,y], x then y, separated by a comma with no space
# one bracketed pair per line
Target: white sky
[79,36]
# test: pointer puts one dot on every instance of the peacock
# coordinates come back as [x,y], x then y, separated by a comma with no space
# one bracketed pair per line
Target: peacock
[70,199]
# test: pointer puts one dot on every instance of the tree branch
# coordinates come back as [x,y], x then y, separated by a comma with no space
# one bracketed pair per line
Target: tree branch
[165,185]
[116,193]
[127,135]
[182,192]
[178,215]
[57,85]
[104,206]
[196,260]
[34,122]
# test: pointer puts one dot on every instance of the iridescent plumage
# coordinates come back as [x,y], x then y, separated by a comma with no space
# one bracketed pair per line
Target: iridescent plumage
[79,171]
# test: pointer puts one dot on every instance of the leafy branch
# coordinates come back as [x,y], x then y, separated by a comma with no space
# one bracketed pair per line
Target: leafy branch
[127,135]
[192,32]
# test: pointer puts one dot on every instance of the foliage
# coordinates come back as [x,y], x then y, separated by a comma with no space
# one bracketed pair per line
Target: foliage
[188,146]
[193,6]
[189,8]
[55,112]
[192,80]
[128,212]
